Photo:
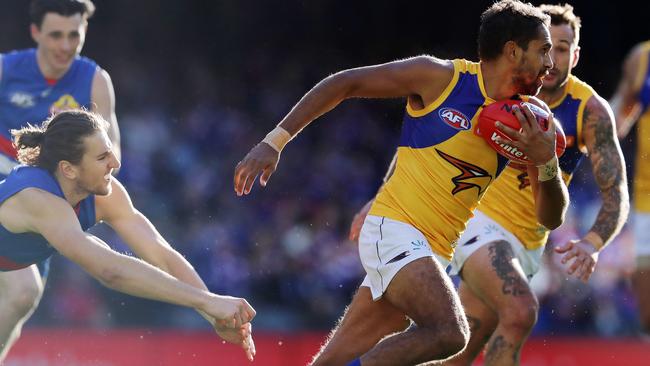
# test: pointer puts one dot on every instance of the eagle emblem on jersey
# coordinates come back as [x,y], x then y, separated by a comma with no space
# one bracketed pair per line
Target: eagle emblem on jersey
[470,175]
[524,180]
[65,103]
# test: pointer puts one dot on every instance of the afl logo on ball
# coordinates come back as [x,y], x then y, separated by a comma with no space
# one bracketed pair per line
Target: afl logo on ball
[454,119]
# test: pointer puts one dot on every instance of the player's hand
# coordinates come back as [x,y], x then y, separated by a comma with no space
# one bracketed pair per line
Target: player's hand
[241,336]
[229,312]
[584,255]
[261,159]
[537,144]
[357,221]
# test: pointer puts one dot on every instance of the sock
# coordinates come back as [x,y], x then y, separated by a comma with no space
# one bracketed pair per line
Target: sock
[356,362]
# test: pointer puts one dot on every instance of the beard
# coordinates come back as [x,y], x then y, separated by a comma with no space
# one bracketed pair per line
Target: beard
[526,80]
[560,79]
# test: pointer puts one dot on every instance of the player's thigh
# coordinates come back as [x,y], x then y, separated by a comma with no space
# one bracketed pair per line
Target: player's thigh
[22,287]
[424,292]
[494,275]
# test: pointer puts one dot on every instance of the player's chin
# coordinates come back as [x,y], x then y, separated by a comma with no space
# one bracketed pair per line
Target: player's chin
[104,190]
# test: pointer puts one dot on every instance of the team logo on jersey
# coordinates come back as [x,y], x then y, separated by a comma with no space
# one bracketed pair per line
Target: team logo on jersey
[471,176]
[22,100]
[524,180]
[455,118]
[65,103]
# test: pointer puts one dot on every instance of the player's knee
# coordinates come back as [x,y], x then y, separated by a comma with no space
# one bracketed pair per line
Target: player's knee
[20,300]
[449,340]
[520,316]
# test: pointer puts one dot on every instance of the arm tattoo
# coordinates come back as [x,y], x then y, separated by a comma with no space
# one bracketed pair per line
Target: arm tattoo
[608,169]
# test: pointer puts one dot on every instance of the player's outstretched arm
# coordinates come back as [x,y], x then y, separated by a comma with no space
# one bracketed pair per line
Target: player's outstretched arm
[33,210]
[549,190]
[625,102]
[140,234]
[609,172]
[422,78]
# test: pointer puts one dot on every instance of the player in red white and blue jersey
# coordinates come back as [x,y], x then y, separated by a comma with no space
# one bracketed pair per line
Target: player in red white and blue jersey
[35,83]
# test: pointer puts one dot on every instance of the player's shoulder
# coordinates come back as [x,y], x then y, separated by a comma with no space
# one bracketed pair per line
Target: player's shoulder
[429,64]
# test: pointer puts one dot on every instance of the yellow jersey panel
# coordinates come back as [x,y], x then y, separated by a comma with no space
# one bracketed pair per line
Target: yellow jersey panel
[443,167]
[642,163]
[510,200]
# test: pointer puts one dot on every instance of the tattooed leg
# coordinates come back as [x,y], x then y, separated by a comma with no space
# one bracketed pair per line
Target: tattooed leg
[493,276]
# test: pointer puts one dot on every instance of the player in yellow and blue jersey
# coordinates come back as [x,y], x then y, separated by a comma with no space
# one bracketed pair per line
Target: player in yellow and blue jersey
[33,84]
[443,169]
[502,246]
[632,105]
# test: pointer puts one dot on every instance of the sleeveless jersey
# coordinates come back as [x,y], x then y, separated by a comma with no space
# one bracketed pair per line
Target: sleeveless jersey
[510,201]
[642,164]
[443,167]
[24,249]
[26,97]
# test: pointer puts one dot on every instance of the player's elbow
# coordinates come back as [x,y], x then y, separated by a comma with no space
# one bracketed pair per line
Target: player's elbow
[343,84]
[553,223]
[552,219]
[110,277]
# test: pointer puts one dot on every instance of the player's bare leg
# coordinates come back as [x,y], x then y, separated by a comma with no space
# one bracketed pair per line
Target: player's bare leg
[20,292]
[494,275]
[364,323]
[423,291]
[482,323]
[641,284]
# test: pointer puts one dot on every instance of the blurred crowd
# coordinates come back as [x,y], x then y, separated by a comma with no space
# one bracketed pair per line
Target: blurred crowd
[198,86]
[285,246]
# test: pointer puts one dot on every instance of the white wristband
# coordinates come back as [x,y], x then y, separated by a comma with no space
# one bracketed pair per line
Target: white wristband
[278,138]
[548,170]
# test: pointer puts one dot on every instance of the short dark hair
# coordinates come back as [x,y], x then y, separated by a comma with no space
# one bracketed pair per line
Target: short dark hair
[563,14]
[39,8]
[59,138]
[508,20]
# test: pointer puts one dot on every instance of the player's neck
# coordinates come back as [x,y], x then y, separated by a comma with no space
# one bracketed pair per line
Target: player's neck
[497,81]
[551,96]
[48,72]
[71,190]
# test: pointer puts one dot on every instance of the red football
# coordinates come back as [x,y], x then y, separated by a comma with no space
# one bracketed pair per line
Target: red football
[502,111]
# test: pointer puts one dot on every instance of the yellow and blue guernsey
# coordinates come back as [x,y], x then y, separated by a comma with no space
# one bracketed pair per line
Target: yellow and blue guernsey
[24,249]
[443,166]
[510,200]
[641,171]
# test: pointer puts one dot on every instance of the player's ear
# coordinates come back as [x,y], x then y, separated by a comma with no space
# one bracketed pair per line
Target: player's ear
[512,51]
[35,32]
[576,56]
[67,169]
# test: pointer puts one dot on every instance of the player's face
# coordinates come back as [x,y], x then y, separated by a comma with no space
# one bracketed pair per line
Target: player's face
[97,165]
[565,56]
[534,64]
[59,39]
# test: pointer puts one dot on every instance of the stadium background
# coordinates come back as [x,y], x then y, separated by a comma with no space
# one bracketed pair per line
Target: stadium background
[198,83]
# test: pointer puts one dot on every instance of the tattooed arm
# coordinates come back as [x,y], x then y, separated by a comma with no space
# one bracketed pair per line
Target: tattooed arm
[609,172]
